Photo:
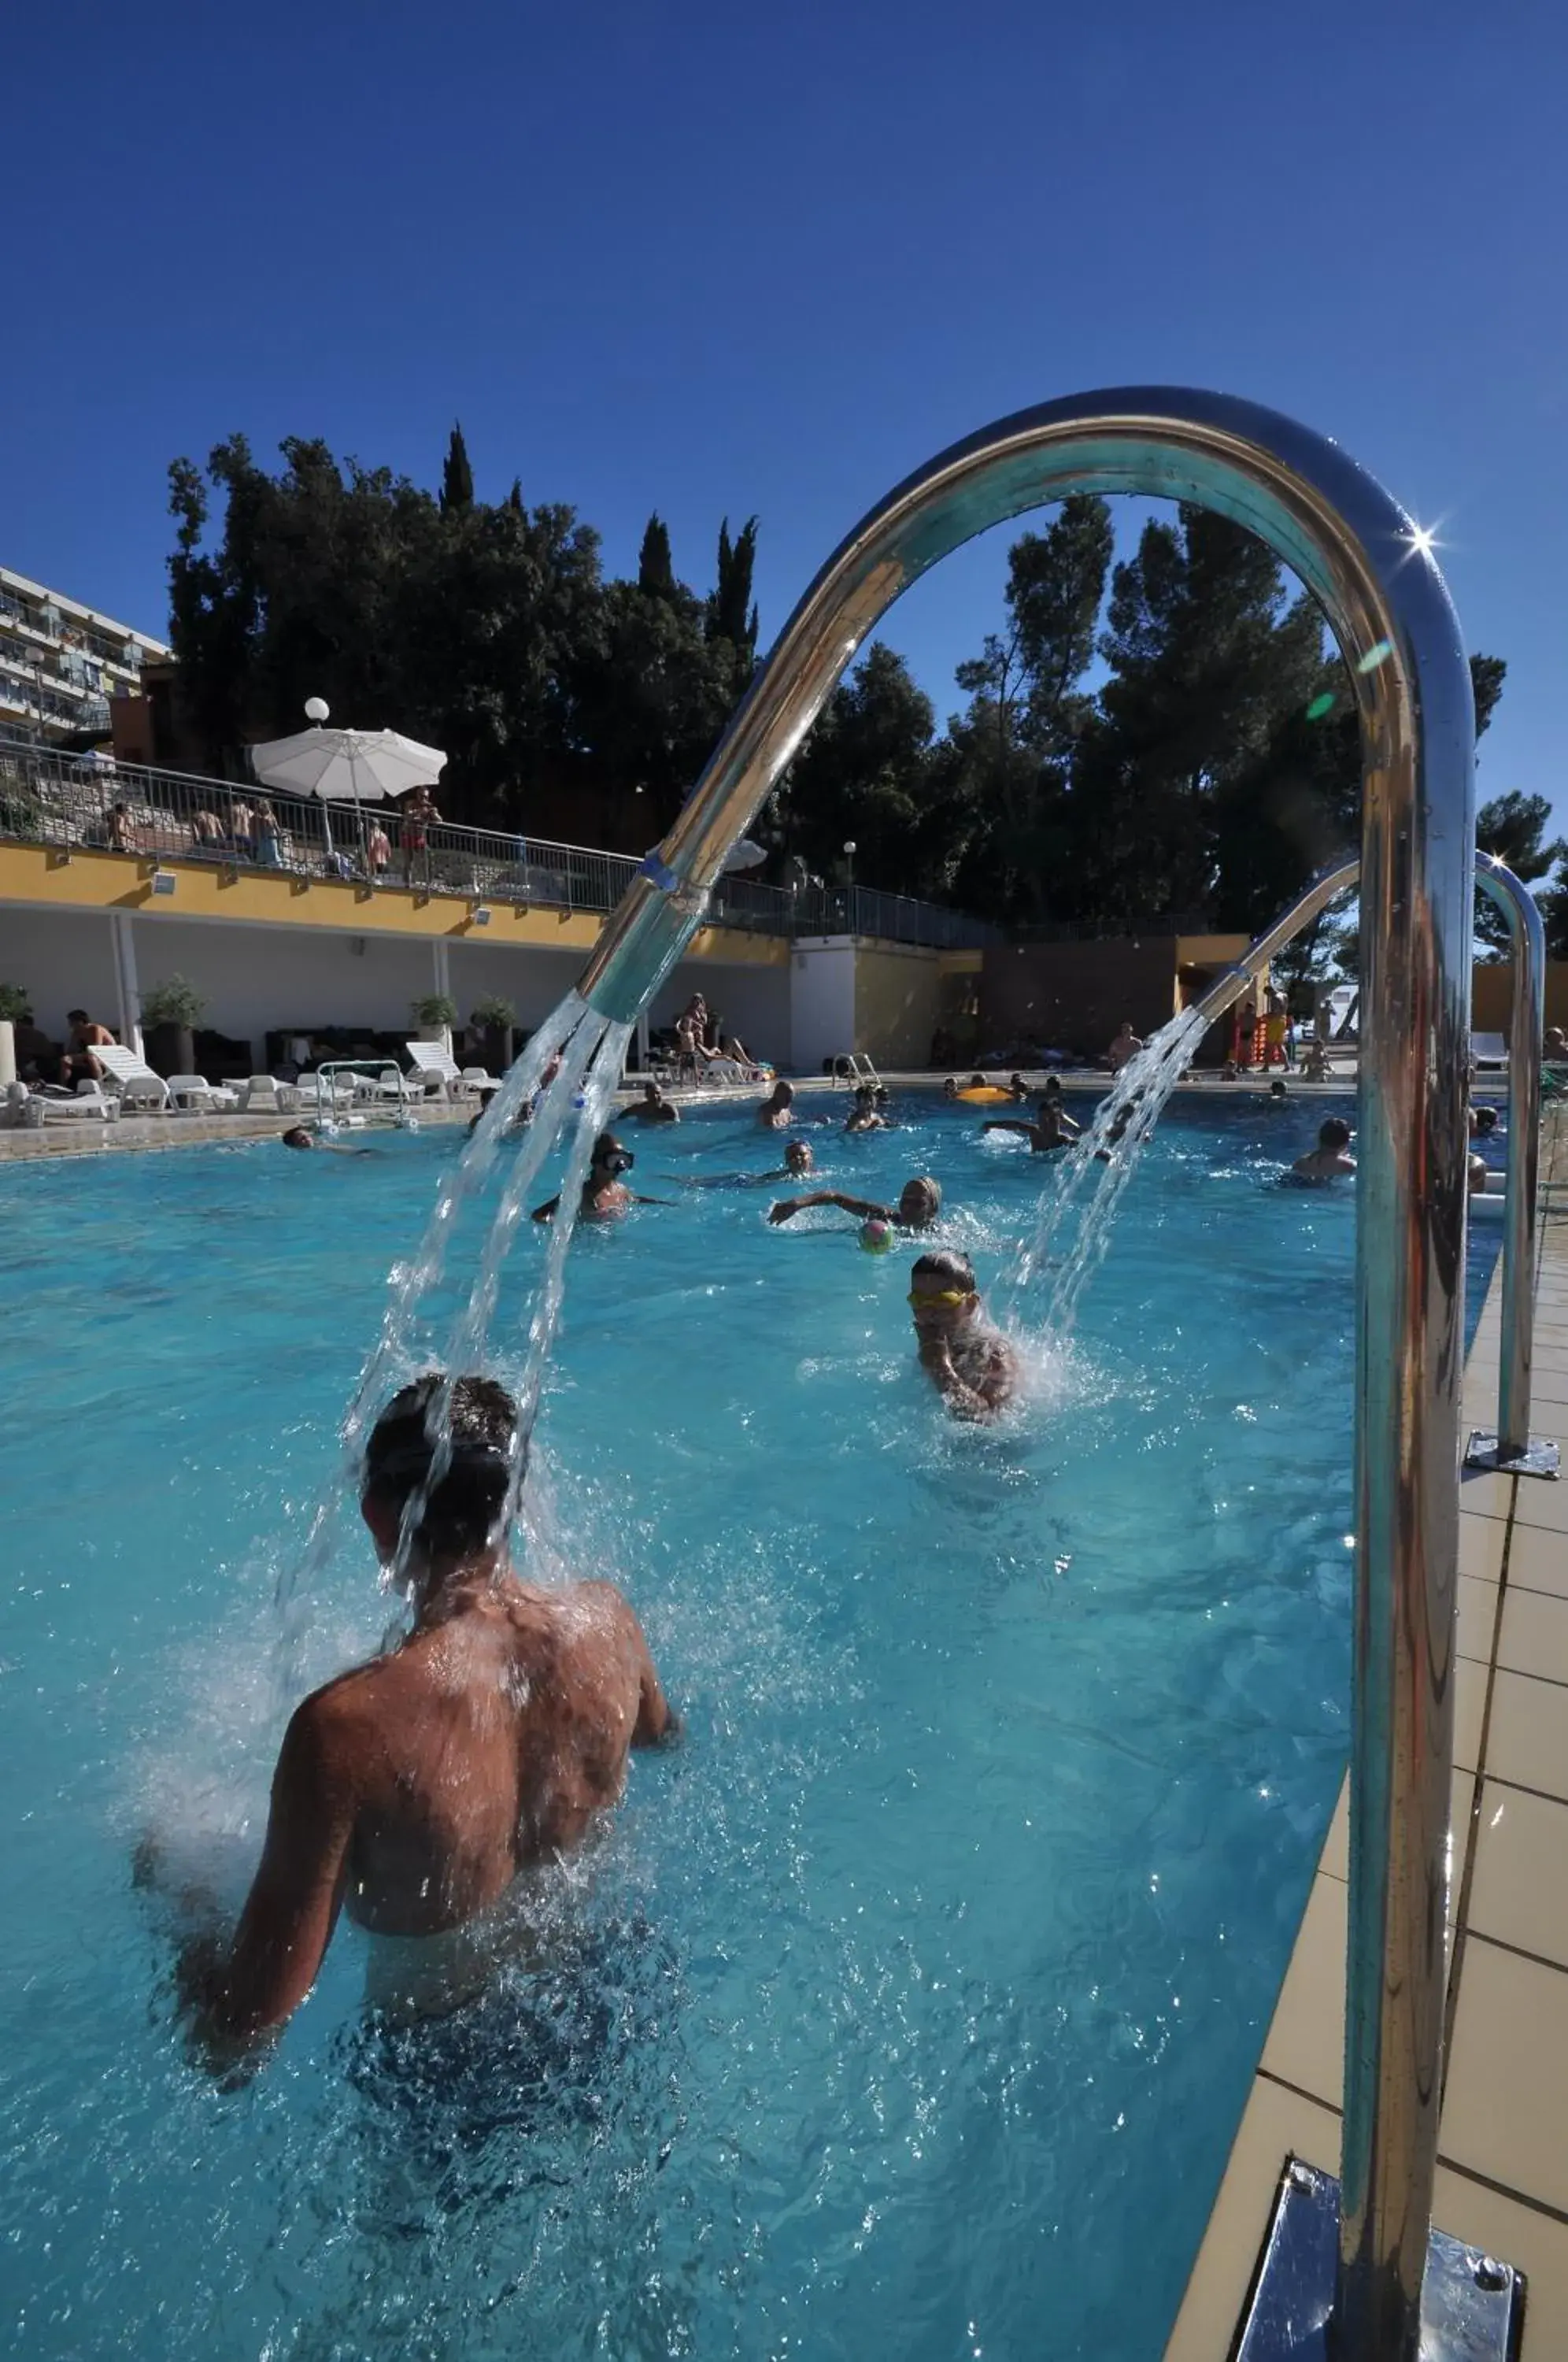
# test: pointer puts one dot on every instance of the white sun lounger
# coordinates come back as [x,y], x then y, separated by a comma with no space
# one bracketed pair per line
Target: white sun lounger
[433,1065]
[88,1099]
[264,1094]
[194,1095]
[1488,1050]
[133,1079]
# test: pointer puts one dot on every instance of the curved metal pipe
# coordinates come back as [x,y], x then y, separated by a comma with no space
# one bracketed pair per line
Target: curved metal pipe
[1527,939]
[1373,573]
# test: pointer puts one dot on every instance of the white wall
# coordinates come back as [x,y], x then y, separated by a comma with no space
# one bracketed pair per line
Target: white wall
[821,1002]
[531,981]
[64,959]
[753,1001]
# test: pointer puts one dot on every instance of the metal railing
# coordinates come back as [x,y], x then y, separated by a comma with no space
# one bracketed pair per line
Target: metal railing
[87,802]
[1373,573]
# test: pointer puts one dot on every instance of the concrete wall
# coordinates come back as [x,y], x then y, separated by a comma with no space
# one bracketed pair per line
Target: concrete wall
[1073,996]
[821,1002]
[751,1001]
[64,960]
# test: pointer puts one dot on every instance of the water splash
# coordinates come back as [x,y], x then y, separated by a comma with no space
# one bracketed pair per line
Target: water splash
[591,1053]
[1106,1156]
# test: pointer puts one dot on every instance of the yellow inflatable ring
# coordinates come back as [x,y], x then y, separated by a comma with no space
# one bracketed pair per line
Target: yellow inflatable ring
[987,1096]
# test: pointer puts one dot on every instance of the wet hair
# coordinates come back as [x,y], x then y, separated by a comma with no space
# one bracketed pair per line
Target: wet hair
[1051,1089]
[923,1181]
[785,1094]
[1486,1118]
[956,1269]
[607,1150]
[798,1157]
[297,1136]
[975,1083]
[461,1511]
[1276,1088]
[1334,1133]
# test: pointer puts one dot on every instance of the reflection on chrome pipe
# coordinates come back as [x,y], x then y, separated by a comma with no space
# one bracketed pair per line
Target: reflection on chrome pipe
[1373,573]
[1512,1446]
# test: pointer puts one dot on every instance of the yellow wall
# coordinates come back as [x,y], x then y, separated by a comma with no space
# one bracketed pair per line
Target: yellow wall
[111,881]
[898,992]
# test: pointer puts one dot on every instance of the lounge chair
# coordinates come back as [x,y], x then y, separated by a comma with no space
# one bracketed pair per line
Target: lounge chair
[194,1095]
[1488,1050]
[132,1077]
[433,1066]
[87,1100]
[264,1094]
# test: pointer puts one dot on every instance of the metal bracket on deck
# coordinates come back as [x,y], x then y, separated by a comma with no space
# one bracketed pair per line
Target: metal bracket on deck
[1536,1458]
[1472,2306]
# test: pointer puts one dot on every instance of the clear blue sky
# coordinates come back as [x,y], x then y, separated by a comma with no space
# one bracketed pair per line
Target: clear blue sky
[713,259]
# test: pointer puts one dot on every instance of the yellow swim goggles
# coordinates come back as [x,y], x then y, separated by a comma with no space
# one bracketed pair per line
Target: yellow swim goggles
[940,1296]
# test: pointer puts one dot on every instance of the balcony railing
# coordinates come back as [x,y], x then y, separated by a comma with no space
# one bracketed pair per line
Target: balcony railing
[49,798]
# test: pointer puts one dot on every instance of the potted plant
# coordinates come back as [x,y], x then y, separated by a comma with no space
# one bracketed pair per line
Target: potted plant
[492,1019]
[170,1011]
[436,1014]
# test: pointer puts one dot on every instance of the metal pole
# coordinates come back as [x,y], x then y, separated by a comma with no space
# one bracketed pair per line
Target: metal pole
[1525,1025]
[1372,570]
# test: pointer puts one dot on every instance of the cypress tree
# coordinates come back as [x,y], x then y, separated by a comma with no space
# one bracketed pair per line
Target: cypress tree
[456,476]
[656,568]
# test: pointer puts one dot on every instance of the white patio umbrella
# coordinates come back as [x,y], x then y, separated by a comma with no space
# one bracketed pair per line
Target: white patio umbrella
[340,766]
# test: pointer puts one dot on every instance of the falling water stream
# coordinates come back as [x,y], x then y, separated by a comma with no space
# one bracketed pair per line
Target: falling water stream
[1107,1155]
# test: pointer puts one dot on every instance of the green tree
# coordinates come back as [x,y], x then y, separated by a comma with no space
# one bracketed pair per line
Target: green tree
[864,774]
[456,476]
[1513,827]
[730,613]
[656,566]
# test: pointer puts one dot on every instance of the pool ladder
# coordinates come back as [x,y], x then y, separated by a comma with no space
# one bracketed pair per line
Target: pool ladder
[1373,573]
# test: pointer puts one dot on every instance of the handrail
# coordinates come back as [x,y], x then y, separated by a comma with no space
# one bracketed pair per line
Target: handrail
[1373,573]
[1527,939]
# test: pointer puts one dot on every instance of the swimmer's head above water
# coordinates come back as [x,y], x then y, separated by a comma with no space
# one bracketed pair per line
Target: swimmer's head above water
[920,1202]
[458,1518]
[297,1136]
[797,1157]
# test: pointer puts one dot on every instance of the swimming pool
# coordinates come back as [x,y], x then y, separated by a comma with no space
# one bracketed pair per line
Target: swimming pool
[914,1999]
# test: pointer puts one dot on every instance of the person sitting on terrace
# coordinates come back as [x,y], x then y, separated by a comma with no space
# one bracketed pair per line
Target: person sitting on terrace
[206,833]
[240,820]
[415,1789]
[778,1107]
[864,1115]
[654,1108]
[79,1064]
[966,1356]
[1126,1045]
[1330,1159]
[920,1203]
[1052,1130]
[605,1197]
[122,838]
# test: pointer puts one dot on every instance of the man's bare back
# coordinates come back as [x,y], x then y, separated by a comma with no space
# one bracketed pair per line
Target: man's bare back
[413,1790]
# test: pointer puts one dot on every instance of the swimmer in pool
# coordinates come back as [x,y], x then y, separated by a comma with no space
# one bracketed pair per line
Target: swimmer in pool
[798,1162]
[1331,1157]
[966,1358]
[778,1107]
[605,1196]
[653,1107]
[416,1788]
[1052,1129]
[865,1116]
[298,1137]
[920,1202]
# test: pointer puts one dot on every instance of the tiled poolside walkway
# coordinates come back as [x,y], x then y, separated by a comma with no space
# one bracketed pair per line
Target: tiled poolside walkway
[1503,2143]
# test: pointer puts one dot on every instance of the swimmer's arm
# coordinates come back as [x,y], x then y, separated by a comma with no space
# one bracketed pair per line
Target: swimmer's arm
[292,1906]
[862,1206]
[964,1400]
[546,1213]
[1010,1123]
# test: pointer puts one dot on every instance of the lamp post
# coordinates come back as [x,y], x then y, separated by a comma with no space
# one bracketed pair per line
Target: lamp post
[849,884]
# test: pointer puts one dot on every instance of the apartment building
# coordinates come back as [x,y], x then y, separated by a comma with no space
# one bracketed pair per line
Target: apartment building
[61,662]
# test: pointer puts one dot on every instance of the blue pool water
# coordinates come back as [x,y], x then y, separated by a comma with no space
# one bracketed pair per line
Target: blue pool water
[910,2006]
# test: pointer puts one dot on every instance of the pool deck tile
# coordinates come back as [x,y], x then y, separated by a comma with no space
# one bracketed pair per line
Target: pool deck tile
[1502,2180]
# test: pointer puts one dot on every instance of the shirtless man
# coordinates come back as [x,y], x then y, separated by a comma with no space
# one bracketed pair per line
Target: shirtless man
[416,1787]
[798,1163]
[297,1136]
[86,1034]
[967,1359]
[655,1107]
[865,1116]
[920,1202]
[1330,1158]
[778,1107]
[1126,1045]
[605,1197]
[1052,1129]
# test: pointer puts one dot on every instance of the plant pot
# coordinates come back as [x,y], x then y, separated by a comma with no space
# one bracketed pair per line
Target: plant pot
[171,1050]
[497,1048]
